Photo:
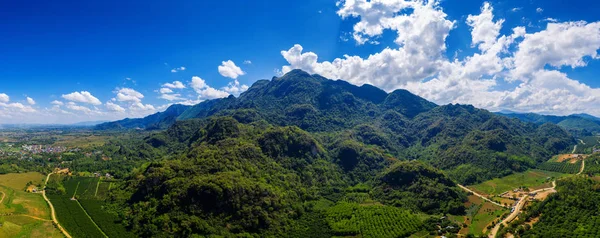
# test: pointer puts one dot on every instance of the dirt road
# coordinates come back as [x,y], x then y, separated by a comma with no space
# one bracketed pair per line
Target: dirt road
[52,210]
[582,167]
[479,195]
[574,149]
[3,195]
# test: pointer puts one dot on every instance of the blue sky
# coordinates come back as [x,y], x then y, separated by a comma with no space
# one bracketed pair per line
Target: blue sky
[54,51]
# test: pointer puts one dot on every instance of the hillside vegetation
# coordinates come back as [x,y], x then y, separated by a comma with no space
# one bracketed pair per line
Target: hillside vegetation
[286,155]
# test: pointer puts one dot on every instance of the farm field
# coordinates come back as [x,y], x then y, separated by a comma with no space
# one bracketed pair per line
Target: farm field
[352,219]
[23,214]
[479,215]
[86,216]
[532,178]
[563,167]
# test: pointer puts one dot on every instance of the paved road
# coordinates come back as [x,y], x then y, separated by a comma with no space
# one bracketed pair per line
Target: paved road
[479,195]
[52,210]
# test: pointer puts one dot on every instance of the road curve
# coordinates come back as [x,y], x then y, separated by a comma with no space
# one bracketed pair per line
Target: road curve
[479,195]
[52,210]
[3,195]
[574,149]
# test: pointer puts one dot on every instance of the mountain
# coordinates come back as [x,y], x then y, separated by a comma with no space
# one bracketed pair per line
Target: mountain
[578,124]
[159,120]
[286,157]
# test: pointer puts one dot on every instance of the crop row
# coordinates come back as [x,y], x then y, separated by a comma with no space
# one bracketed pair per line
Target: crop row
[349,219]
[563,167]
[108,222]
[73,218]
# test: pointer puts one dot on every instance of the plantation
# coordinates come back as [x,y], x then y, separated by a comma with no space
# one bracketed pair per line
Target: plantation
[564,167]
[352,219]
[108,222]
[73,218]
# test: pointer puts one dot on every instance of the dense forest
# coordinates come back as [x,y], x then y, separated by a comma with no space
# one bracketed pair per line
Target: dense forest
[294,156]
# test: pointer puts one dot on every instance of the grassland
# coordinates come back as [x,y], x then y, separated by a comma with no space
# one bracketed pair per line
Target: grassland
[24,214]
[532,178]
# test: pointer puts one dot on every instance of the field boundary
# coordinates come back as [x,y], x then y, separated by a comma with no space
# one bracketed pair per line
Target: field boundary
[88,215]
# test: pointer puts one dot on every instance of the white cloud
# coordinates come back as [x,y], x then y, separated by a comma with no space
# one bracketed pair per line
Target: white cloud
[82,97]
[484,29]
[129,95]
[235,88]
[57,103]
[420,38]
[165,90]
[175,70]
[247,62]
[76,107]
[174,85]
[516,9]
[171,97]
[204,91]
[539,10]
[110,106]
[138,106]
[4,98]
[560,44]
[30,101]
[230,70]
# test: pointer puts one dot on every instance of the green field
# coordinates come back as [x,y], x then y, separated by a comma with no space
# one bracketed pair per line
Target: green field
[24,214]
[531,178]
[486,214]
[87,216]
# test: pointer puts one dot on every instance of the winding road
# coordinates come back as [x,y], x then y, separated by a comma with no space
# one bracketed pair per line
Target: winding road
[3,195]
[52,209]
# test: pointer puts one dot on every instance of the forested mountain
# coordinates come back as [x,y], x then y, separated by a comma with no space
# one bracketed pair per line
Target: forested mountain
[278,156]
[579,124]
[159,120]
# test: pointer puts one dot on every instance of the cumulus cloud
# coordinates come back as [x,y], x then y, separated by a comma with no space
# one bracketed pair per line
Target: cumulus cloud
[418,60]
[4,98]
[174,85]
[539,10]
[57,103]
[484,30]
[230,70]
[235,88]
[110,106]
[204,91]
[175,70]
[247,62]
[75,107]
[30,101]
[82,97]
[129,95]
[577,40]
